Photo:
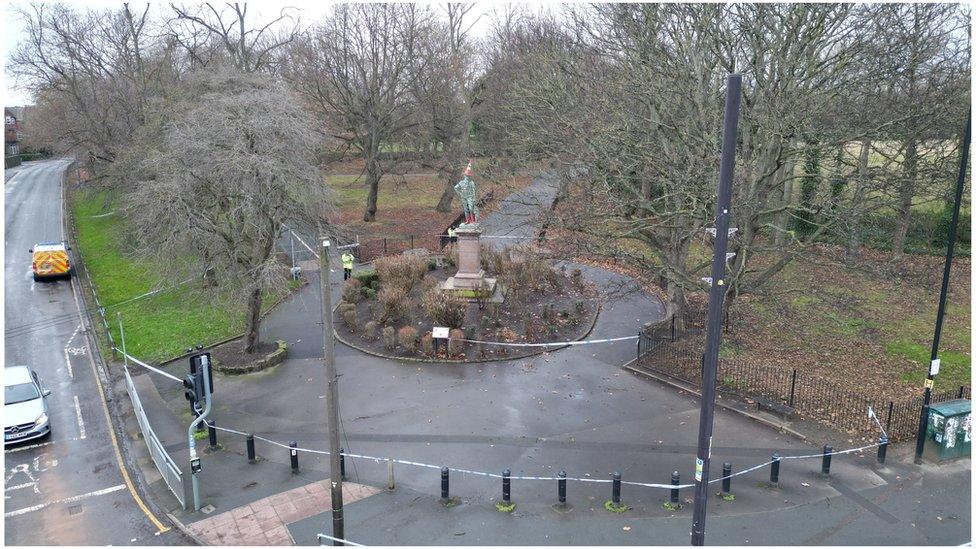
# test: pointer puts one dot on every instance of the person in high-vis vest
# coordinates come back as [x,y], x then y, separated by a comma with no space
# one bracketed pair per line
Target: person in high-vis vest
[347,260]
[451,234]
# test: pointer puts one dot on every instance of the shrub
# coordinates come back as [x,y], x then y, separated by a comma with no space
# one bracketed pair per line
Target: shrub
[389,338]
[351,320]
[375,285]
[443,309]
[345,306]
[576,276]
[530,328]
[369,293]
[454,345]
[370,329]
[451,255]
[492,261]
[431,265]
[427,344]
[580,306]
[366,277]
[350,290]
[393,304]
[401,270]
[407,336]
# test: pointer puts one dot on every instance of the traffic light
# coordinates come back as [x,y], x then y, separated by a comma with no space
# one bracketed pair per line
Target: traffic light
[196,365]
[193,388]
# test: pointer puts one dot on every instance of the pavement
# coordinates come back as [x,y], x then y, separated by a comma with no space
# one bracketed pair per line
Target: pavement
[574,409]
[67,488]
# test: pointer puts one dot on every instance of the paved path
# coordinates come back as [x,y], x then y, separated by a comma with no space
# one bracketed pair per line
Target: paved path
[65,489]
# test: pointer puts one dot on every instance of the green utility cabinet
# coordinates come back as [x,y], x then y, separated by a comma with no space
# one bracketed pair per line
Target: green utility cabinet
[949,432]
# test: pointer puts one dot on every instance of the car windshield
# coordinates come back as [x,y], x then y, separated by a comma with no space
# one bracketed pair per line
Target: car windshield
[21,392]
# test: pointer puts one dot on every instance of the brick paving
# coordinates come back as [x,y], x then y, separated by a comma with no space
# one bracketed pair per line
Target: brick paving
[265,521]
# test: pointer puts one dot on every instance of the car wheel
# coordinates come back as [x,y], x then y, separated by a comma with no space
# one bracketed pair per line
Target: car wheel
[37,278]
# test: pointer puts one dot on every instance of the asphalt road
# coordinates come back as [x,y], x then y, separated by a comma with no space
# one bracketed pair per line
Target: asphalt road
[67,488]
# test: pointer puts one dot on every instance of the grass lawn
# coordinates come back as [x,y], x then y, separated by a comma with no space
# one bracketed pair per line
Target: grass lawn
[160,326]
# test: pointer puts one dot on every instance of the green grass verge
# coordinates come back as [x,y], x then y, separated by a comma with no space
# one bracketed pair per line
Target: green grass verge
[156,327]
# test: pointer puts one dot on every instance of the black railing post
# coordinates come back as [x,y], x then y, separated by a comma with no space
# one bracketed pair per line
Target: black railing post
[615,493]
[342,463]
[825,466]
[384,246]
[506,486]
[445,484]
[891,408]
[672,328]
[251,454]
[639,337]
[792,387]
[961,388]
[882,449]
[294,456]
[212,432]
[562,487]
[774,470]
[675,481]
[726,478]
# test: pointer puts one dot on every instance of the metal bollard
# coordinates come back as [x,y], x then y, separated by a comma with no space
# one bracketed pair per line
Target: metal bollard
[675,480]
[562,487]
[445,484]
[252,456]
[212,428]
[774,470]
[615,497]
[506,486]
[726,478]
[882,449]
[294,456]
[342,463]
[825,466]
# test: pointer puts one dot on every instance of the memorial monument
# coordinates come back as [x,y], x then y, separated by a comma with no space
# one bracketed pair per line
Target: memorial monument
[470,280]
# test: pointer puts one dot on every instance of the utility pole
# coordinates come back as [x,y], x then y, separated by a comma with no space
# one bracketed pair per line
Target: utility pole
[331,393]
[715,300]
[950,246]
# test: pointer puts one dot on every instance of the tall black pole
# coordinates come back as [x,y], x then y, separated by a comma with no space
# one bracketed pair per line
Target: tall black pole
[950,246]
[715,300]
[331,393]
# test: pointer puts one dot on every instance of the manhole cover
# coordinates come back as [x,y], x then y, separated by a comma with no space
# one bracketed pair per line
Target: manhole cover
[207,509]
[74,510]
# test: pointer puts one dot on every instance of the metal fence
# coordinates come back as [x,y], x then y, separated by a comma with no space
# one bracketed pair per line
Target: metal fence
[667,349]
[167,467]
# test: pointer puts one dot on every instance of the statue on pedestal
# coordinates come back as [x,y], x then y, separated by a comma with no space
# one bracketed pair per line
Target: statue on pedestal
[467,195]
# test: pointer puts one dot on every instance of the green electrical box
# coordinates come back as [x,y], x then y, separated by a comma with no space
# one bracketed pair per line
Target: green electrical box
[949,432]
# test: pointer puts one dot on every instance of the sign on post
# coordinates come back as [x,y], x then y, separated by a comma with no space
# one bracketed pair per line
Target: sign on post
[441,332]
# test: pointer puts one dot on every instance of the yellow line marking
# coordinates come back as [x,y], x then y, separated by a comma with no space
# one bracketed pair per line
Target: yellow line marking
[111,430]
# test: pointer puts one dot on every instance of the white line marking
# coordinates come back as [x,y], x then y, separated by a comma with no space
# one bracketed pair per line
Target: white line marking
[81,422]
[67,361]
[72,499]
[24,485]
[31,447]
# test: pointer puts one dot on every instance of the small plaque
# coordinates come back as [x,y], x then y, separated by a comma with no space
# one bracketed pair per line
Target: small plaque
[441,332]
[934,368]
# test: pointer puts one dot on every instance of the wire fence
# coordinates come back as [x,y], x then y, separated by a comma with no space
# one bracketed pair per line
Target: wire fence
[668,349]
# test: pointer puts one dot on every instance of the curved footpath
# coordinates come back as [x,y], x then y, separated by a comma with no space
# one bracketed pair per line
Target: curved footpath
[574,409]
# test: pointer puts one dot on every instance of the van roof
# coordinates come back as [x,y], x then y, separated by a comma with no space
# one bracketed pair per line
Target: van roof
[48,246]
[15,375]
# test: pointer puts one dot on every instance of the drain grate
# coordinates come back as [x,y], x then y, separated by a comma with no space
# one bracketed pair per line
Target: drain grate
[74,510]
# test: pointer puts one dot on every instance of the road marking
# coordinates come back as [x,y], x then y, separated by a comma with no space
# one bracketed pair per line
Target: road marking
[67,361]
[72,499]
[108,420]
[24,485]
[81,422]
[31,447]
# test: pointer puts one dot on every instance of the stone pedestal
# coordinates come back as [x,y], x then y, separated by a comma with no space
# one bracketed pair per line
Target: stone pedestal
[470,277]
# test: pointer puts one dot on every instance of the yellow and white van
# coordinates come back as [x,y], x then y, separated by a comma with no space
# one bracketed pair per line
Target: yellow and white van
[50,260]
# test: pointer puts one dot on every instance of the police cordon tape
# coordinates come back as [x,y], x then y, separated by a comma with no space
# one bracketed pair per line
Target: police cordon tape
[377,459]
[552,344]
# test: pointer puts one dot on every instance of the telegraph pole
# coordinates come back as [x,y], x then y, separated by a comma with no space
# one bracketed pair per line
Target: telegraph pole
[715,300]
[331,393]
[950,245]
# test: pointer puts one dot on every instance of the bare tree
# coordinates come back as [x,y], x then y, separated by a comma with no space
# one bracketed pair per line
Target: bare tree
[237,159]
[356,71]
[206,30]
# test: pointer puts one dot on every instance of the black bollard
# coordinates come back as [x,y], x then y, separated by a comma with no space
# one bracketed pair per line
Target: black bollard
[506,486]
[726,478]
[445,484]
[882,449]
[825,467]
[342,463]
[774,470]
[562,487]
[615,497]
[294,456]
[212,428]
[252,456]
[675,480]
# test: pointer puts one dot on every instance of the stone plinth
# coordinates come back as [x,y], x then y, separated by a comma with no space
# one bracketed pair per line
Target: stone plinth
[470,277]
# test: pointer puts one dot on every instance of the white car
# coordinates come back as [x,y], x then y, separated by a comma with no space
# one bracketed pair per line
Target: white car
[24,405]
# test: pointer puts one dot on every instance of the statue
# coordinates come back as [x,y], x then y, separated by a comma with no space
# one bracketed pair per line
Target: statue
[465,191]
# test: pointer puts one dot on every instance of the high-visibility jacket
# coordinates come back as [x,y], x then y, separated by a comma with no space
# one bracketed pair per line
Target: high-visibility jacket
[451,232]
[347,260]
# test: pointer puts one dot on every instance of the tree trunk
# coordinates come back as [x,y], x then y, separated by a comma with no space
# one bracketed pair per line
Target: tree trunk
[782,219]
[373,182]
[444,204]
[906,193]
[857,199]
[252,332]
